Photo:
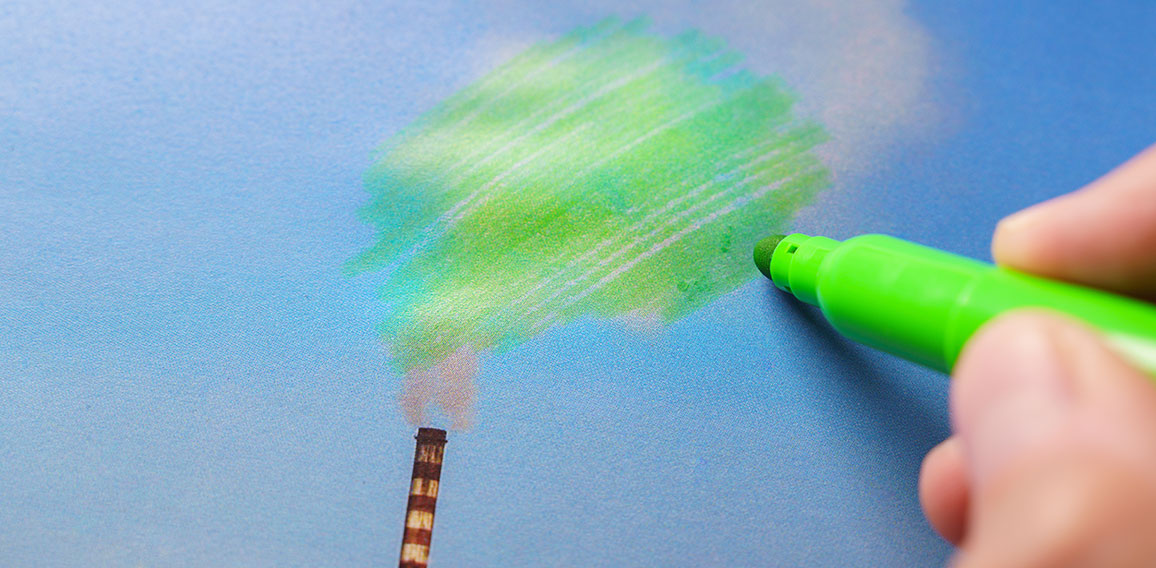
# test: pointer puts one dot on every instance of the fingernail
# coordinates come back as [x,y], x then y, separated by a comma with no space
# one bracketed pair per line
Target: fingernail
[1014,392]
[1007,242]
[1018,220]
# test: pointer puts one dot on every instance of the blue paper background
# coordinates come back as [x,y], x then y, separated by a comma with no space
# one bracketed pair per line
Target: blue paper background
[187,380]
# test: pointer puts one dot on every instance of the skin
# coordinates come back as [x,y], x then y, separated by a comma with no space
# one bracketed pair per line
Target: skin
[1052,461]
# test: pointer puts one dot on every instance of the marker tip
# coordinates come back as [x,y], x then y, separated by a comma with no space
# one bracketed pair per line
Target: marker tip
[763,251]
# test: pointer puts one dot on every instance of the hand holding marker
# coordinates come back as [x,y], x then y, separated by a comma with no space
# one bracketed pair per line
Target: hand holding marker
[1053,461]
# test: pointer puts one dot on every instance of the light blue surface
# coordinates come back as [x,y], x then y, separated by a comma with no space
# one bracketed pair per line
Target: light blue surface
[186,379]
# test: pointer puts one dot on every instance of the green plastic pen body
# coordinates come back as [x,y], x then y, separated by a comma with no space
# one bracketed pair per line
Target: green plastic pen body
[924,304]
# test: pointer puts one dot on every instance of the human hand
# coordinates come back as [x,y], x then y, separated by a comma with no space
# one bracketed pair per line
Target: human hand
[1053,457]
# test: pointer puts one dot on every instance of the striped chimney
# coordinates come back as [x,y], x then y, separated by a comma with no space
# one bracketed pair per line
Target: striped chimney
[423,496]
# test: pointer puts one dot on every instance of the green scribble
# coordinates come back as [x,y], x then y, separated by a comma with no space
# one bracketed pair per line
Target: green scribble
[612,172]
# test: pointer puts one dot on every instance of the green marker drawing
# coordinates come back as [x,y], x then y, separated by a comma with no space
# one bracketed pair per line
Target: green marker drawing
[611,173]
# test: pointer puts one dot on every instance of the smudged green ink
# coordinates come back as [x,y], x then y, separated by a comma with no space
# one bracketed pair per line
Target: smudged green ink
[609,173]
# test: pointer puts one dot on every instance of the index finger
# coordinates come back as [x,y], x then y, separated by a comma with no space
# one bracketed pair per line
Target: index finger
[1103,235]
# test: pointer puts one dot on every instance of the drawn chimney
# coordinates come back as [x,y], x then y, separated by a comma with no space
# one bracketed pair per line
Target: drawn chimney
[423,496]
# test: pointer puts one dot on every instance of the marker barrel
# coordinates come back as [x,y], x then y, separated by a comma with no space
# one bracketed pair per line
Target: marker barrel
[924,304]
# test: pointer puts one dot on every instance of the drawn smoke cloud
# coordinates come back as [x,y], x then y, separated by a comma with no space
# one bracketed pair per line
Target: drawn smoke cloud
[593,175]
[598,175]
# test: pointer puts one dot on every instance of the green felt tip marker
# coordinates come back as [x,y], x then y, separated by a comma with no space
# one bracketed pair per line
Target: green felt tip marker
[923,304]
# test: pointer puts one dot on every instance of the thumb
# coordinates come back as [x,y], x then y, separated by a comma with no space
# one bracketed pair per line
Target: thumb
[1059,438]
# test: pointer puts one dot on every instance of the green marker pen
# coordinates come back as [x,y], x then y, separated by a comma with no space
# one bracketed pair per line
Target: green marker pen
[923,304]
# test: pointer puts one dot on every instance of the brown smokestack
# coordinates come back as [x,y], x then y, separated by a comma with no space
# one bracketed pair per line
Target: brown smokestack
[423,496]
